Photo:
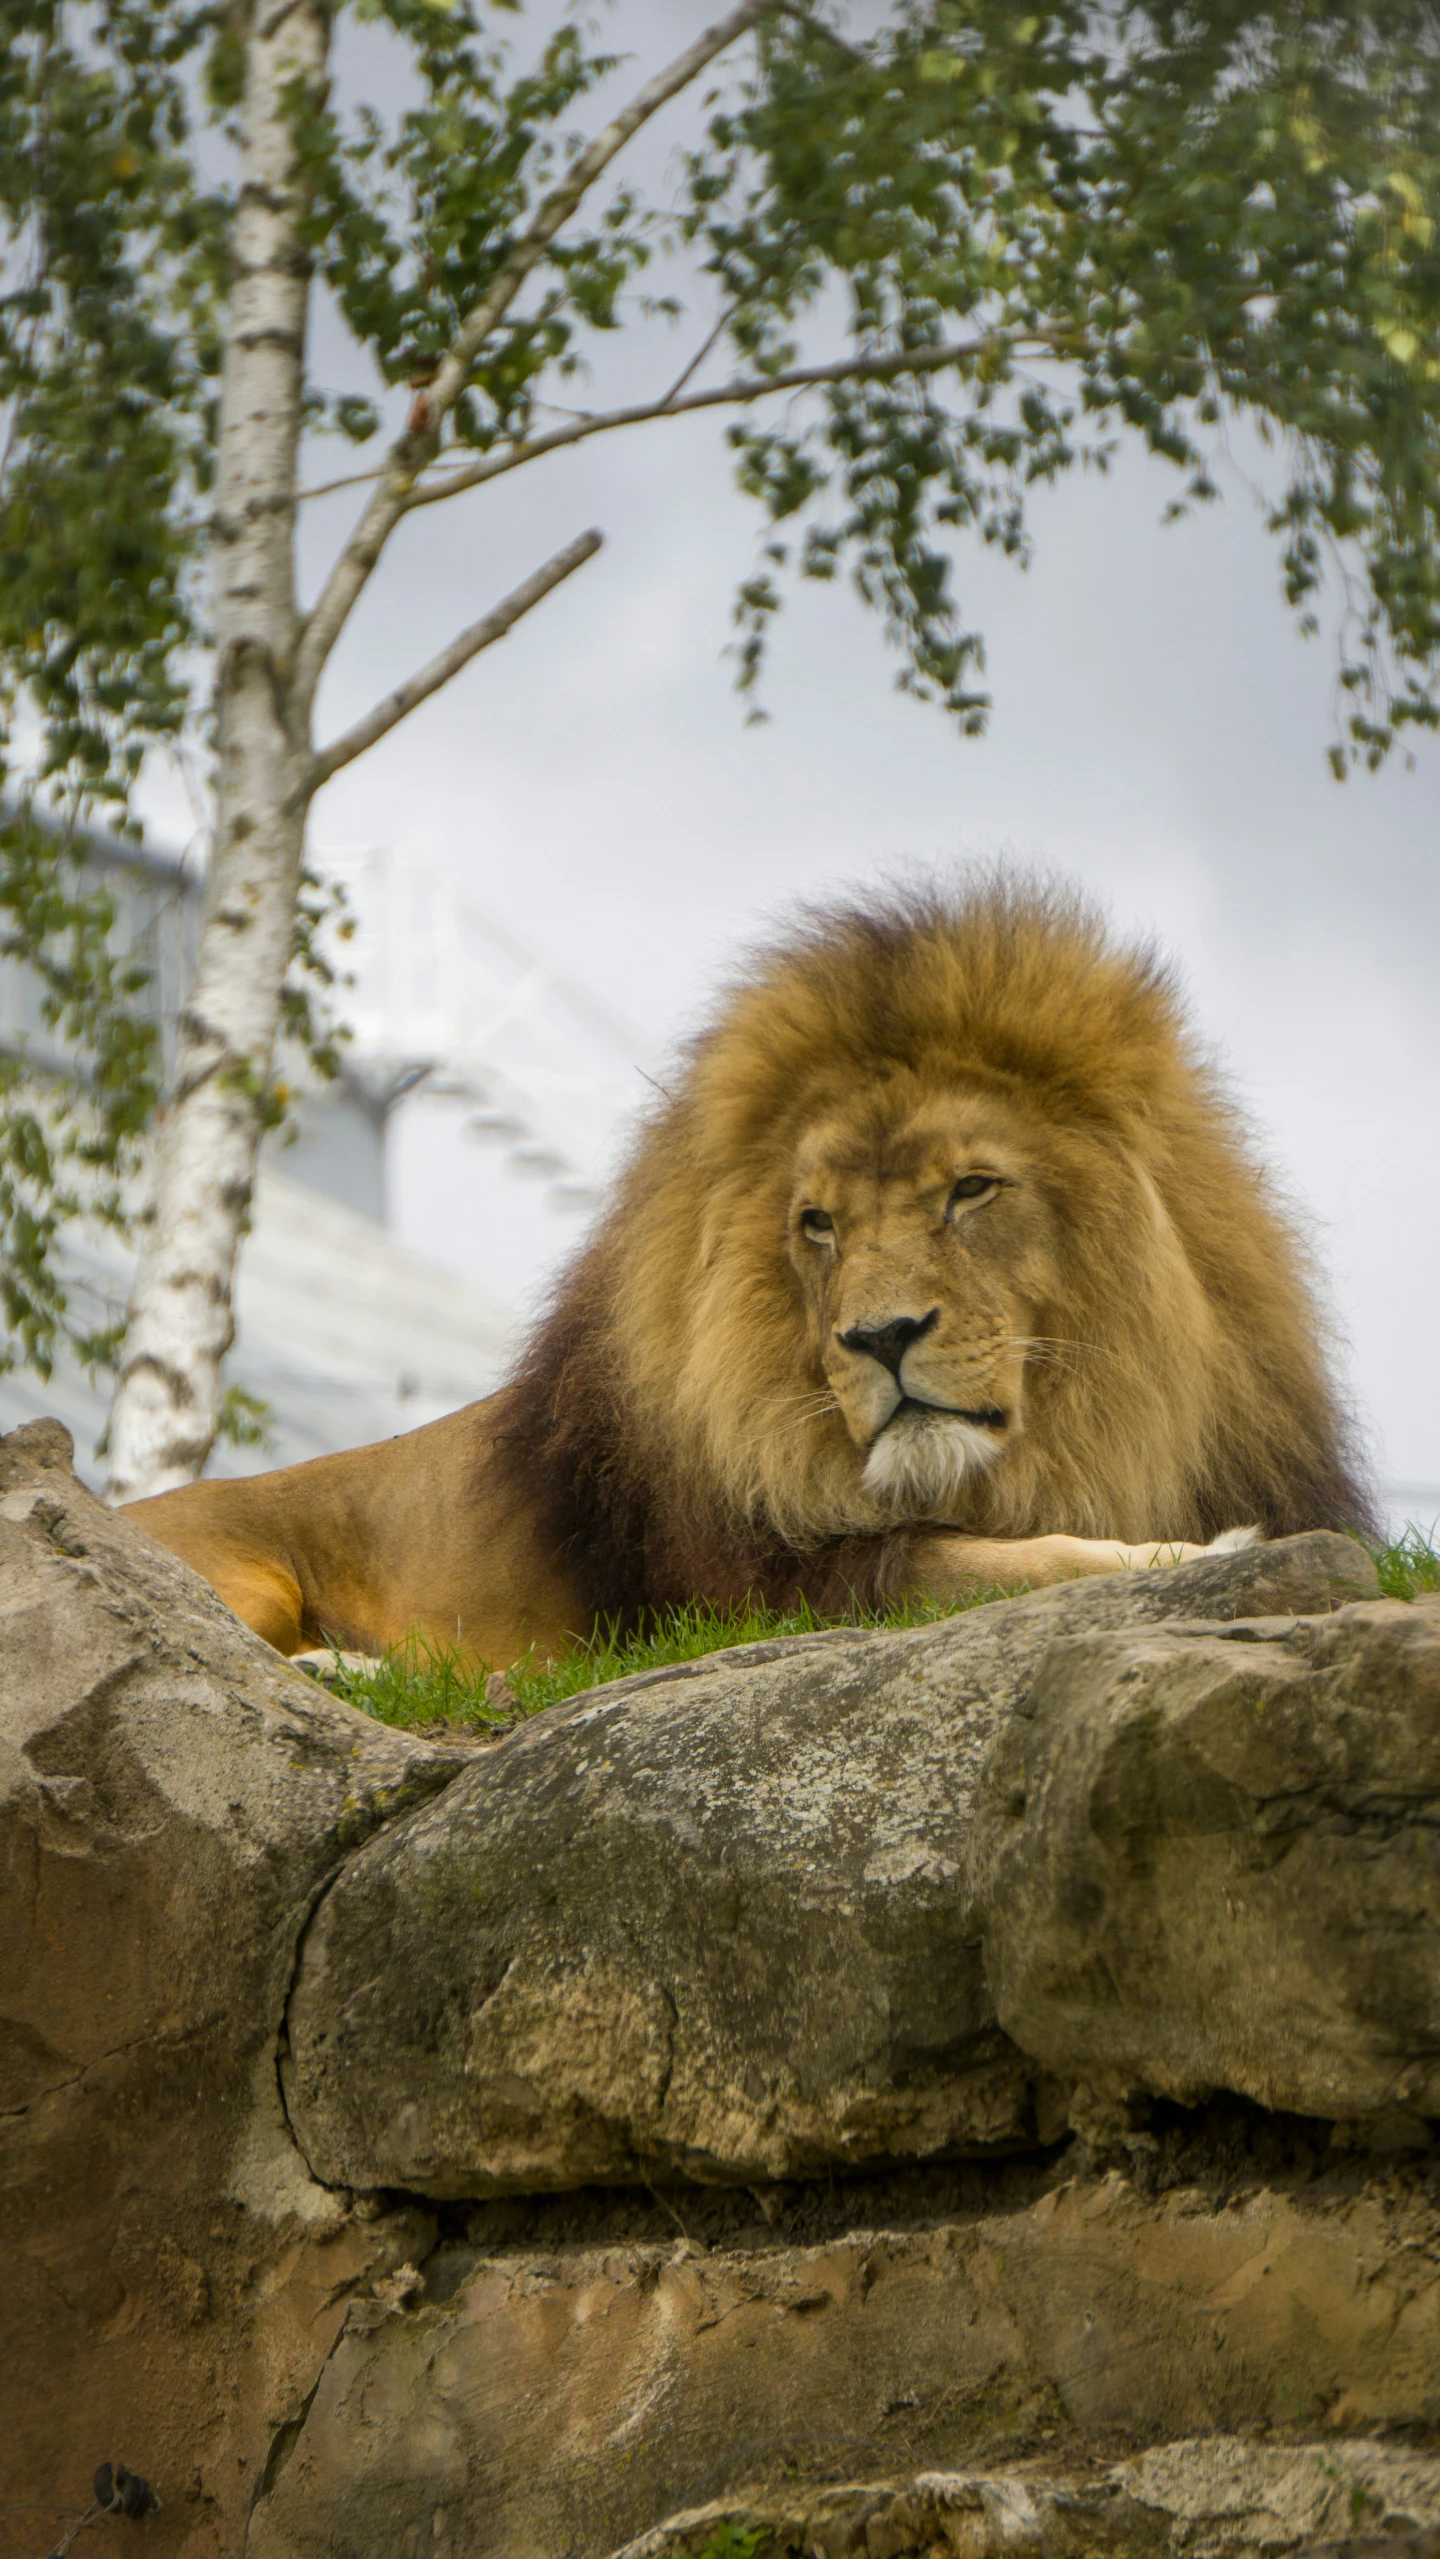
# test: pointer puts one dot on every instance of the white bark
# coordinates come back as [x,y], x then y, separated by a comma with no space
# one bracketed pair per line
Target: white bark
[180,1324]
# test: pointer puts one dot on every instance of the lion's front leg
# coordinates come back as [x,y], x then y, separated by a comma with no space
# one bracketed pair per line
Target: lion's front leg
[949,1566]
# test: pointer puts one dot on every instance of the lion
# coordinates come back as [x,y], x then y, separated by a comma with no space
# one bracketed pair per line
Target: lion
[948,1265]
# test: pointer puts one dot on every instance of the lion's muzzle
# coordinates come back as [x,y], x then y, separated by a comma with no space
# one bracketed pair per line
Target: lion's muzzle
[925,1419]
[897,1370]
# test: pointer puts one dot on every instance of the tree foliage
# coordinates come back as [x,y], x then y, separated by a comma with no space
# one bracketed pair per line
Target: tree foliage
[1155,221]
[113,267]
[925,266]
[66,1146]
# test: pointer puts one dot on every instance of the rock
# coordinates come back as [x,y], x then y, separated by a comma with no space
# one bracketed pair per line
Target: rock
[1219,2496]
[559,2400]
[1212,1864]
[172,1797]
[711,1925]
[711,1922]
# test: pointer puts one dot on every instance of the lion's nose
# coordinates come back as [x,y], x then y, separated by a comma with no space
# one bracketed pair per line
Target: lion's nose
[889,1342]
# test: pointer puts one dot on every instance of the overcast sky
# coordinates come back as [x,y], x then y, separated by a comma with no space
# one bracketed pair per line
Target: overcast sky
[1158,734]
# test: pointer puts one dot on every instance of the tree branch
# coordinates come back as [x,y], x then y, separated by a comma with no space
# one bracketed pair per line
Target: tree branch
[493,626]
[410,454]
[741,393]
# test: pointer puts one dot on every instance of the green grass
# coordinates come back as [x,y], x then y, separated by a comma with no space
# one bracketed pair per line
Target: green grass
[425,1682]
[1411,1565]
[728,2541]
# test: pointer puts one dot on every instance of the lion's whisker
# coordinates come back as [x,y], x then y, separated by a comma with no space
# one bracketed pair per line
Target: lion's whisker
[1054,1351]
[802,1407]
[1045,1354]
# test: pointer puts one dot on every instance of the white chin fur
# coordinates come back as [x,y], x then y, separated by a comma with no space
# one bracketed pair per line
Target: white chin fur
[918,1465]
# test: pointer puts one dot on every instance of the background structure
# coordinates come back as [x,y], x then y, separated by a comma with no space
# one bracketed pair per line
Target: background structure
[344,1334]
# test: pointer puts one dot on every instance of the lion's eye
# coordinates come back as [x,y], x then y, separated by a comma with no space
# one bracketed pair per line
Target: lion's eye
[971,1186]
[817,1225]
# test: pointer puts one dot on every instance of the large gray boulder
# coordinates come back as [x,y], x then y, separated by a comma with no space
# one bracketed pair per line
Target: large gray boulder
[1212,1862]
[714,1922]
[172,1797]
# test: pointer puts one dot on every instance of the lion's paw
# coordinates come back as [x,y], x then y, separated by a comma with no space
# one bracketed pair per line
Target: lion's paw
[1230,1539]
[331,1668]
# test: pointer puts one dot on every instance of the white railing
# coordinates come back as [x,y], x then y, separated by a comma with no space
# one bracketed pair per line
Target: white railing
[447,1002]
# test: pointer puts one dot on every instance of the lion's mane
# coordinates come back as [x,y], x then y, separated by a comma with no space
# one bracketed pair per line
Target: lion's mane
[664,1424]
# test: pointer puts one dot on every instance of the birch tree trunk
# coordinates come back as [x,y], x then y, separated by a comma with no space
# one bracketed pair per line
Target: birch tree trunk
[180,1324]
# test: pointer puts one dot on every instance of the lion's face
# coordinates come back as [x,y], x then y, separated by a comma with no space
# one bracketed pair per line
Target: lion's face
[925,1246]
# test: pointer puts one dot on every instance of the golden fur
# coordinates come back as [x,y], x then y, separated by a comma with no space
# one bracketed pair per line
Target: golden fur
[948,1238]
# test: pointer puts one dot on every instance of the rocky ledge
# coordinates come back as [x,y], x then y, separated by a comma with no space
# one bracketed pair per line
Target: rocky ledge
[1219,2496]
[952,2060]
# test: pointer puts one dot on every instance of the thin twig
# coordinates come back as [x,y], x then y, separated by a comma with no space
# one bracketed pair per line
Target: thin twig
[82,2524]
[688,371]
[493,626]
[765,275]
[412,452]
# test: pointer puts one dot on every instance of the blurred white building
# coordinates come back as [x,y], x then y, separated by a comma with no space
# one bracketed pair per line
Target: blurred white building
[345,1333]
